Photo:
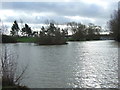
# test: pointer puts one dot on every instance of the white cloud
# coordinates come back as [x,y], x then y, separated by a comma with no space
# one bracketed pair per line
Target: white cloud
[5,13]
[43,14]
[84,20]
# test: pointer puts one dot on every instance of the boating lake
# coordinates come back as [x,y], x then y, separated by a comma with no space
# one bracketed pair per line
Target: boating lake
[86,64]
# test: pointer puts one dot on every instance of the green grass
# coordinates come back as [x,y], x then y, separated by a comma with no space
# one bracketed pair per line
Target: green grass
[26,39]
[71,39]
[15,88]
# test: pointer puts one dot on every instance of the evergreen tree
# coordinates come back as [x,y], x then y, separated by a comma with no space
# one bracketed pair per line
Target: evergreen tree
[27,30]
[15,29]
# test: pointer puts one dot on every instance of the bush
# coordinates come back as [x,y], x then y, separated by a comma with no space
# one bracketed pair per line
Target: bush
[8,39]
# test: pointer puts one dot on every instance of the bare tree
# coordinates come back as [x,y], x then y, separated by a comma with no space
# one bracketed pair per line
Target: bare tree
[3,28]
[9,69]
[0,26]
[114,25]
[48,21]
[0,31]
[21,22]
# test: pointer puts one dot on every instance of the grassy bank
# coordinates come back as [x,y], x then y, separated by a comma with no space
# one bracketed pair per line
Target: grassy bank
[15,88]
[15,39]
[26,39]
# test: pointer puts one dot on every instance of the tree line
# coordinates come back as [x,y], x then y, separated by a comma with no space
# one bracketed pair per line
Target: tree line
[84,32]
[79,31]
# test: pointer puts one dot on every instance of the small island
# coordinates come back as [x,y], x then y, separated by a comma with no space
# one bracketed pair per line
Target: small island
[52,36]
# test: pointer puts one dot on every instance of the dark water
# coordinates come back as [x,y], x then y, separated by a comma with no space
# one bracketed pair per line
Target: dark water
[90,64]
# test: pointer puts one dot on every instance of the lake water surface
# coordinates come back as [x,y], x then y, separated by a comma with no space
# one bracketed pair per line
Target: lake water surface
[89,64]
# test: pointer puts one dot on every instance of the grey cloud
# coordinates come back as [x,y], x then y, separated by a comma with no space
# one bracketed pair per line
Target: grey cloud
[60,9]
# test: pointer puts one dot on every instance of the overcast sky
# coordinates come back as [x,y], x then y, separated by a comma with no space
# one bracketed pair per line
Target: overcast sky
[35,13]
